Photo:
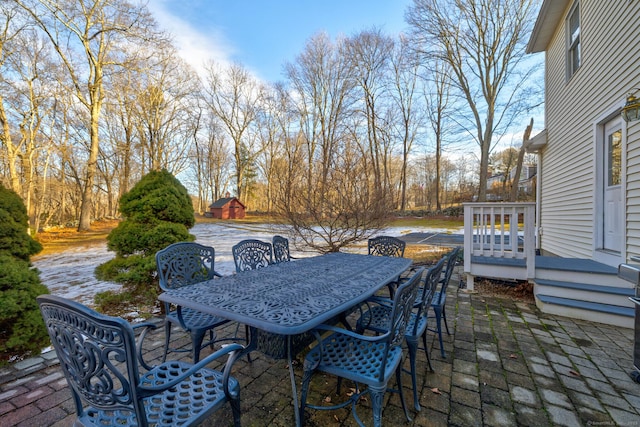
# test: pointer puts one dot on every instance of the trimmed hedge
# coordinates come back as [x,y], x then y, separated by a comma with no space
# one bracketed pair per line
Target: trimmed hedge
[157,212]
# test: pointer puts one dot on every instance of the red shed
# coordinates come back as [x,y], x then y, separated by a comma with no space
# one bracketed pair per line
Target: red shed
[227,208]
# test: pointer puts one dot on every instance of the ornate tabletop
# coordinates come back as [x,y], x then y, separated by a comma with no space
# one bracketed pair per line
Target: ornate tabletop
[292,297]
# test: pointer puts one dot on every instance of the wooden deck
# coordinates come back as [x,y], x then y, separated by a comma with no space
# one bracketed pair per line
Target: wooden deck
[572,287]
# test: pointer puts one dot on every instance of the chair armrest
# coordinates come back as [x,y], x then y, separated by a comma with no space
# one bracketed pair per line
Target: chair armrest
[384,301]
[233,350]
[181,319]
[147,327]
[349,333]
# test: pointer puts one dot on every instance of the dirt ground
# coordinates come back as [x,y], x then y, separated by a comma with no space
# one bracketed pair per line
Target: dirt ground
[58,239]
[519,291]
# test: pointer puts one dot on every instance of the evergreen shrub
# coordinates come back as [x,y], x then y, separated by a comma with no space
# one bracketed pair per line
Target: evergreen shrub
[156,212]
[22,330]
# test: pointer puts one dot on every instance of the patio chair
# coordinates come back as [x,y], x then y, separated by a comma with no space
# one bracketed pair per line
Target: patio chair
[377,319]
[364,359]
[183,264]
[281,249]
[252,254]
[387,246]
[101,363]
[440,298]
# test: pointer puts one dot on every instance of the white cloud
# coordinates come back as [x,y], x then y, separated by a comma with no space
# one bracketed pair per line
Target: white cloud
[194,46]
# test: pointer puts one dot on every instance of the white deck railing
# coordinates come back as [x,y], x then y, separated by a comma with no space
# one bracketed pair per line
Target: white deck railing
[500,230]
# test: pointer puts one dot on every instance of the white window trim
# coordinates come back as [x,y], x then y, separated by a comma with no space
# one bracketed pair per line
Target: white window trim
[598,134]
[571,44]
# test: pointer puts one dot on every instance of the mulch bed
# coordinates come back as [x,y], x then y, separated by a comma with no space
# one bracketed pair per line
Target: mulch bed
[516,290]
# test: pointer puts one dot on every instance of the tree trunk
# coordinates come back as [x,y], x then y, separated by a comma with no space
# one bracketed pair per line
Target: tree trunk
[86,204]
[514,185]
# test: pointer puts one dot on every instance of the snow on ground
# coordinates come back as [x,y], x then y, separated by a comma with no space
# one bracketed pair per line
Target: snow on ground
[70,273]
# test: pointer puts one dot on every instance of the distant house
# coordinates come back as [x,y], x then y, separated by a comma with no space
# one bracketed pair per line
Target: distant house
[227,208]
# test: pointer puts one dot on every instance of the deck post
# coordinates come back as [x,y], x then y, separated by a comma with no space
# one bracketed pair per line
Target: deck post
[468,244]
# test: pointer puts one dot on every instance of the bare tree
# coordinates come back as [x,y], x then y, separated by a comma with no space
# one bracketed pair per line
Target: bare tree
[211,156]
[93,30]
[409,117]
[33,107]
[483,44]
[233,96]
[437,97]
[369,53]
[162,109]
[334,200]
[513,196]
[10,28]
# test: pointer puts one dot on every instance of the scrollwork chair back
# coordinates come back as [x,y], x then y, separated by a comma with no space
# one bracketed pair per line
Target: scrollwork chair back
[281,249]
[386,246]
[252,254]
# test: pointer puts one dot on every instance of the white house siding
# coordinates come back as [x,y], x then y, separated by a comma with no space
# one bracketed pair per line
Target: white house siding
[633,190]
[609,69]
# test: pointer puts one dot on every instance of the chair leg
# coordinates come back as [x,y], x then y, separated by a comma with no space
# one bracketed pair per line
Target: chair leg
[439,327]
[392,289]
[412,346]
[426,350]
[196,342]
[377,396]
[444,317]
[246,334]
[235,410]
[167,338]
[306,377]
[399,383]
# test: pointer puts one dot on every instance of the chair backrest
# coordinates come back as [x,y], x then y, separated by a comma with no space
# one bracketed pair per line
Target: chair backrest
[184,263]
[428,290]
[251,254]
[97,354]
[386,246]
[281,249]
[403,301]
[452,259]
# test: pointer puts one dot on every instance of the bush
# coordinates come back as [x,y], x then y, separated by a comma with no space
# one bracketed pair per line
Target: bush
[22,330]
[157,212]
[14,224]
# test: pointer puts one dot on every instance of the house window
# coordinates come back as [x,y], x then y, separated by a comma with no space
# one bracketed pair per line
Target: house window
[614,154]
[573,40]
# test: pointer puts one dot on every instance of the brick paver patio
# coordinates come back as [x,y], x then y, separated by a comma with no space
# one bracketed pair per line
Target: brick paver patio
[507,364]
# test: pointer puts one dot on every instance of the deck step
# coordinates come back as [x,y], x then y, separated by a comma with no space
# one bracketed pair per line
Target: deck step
[587,310]
[581,265]
[603,289]
[585,272]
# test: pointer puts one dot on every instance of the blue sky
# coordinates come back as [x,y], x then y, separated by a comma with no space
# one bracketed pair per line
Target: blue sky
[263,35]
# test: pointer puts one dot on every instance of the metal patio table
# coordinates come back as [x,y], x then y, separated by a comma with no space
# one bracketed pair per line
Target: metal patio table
[291,298]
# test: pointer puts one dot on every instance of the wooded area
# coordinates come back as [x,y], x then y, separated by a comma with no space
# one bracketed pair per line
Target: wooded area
[94,95]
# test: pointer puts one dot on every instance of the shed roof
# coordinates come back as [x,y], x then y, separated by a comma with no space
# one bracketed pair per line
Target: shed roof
[223,201]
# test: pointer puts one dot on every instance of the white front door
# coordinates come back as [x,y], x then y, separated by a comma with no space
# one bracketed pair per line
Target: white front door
[612,197]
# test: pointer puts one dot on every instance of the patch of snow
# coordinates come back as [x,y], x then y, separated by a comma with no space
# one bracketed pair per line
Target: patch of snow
[70,274]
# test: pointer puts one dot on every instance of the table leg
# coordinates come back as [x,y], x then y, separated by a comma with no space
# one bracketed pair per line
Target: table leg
[294,389]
